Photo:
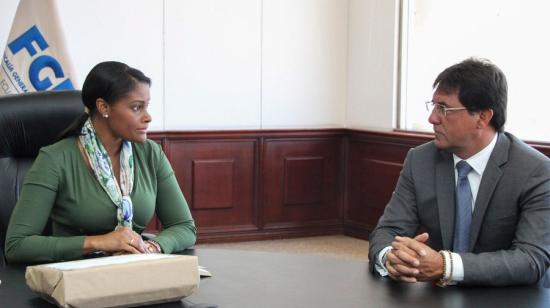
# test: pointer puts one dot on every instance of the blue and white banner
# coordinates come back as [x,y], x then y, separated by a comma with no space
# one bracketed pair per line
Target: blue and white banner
[36,58]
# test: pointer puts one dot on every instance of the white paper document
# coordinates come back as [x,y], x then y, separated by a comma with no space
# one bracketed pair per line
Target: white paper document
[203,272]
[103,261]
[87,263]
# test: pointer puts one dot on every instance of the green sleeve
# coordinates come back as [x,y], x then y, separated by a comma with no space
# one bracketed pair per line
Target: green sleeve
[24,242]
[178,226]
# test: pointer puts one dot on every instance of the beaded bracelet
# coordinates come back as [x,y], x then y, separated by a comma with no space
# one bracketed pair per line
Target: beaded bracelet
[451,261]
[447,270]
[442,253]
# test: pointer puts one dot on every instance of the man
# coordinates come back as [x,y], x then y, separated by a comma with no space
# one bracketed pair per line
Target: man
[480,196]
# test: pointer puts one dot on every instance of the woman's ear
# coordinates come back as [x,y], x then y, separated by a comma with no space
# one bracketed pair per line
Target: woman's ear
[102,107]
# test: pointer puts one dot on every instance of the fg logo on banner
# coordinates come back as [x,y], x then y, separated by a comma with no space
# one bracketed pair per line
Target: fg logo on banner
[24,43]
[35,58]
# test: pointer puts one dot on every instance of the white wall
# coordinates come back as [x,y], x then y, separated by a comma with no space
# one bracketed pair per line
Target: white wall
[304,63]
[7,11]
[213,64]
[372,81]
[234,64]
[103,30]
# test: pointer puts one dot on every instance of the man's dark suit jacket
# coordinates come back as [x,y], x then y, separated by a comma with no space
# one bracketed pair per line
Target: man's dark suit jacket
[510,235]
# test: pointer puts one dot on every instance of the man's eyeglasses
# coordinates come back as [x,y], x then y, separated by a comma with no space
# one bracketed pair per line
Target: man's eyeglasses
[441,109]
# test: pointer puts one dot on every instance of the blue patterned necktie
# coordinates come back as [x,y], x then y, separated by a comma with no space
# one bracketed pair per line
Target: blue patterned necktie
[463,208]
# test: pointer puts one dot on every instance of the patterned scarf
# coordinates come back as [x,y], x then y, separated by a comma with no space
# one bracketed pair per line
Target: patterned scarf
[103,170]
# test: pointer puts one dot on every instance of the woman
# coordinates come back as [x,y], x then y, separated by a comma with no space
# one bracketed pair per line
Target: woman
[102,184]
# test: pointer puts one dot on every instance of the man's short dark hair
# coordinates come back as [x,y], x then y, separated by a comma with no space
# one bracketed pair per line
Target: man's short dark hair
[480,85]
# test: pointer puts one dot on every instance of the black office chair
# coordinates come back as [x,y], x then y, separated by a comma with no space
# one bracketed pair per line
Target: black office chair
[27,123]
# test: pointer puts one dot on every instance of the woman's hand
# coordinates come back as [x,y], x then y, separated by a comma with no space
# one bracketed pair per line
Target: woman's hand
[120,241]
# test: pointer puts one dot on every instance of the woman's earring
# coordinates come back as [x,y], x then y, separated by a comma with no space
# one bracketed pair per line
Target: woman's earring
[105,116]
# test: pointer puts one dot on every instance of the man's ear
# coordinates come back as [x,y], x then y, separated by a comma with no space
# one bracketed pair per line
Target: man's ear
[485,117]
[102,106]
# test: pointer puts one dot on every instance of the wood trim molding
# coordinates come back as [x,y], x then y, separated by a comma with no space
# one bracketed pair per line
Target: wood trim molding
[239,134]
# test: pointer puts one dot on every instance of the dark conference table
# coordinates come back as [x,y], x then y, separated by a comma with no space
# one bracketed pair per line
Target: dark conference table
[261,279]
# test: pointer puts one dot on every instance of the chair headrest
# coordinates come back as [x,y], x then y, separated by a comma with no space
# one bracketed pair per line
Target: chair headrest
[32,120]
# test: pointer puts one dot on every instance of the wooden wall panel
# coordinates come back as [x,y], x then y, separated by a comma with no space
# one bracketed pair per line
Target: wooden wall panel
[259,184]
[208,174]
[374,165]
[303,179]
[373,190]
[217,178]
[302,183]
